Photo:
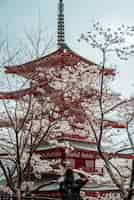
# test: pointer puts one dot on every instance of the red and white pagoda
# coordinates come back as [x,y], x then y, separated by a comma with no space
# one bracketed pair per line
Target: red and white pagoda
[69,85]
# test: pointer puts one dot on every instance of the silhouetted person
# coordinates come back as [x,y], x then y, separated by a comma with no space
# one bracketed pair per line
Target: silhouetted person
[70,188]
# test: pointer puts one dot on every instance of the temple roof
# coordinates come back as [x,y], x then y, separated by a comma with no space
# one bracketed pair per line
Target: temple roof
[114,124]
[60,58]
[63,56]
[89,187]
[85,147]
[16,95]
[107,124]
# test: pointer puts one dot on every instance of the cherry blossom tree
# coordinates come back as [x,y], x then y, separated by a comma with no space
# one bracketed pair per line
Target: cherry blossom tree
[22,123]
[67,95]
[110,42]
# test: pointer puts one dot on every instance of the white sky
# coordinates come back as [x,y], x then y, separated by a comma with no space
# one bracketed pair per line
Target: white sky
[17,16]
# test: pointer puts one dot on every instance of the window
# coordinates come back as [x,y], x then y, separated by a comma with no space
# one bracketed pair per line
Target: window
[90,165]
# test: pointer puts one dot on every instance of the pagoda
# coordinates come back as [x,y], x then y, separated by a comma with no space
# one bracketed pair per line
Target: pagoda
[69,84]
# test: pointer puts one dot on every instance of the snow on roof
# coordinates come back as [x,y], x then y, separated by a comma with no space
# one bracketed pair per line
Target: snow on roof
[75,144]
[85,146]
[86,188]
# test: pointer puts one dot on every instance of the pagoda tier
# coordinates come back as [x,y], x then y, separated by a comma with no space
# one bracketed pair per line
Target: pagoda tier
[107,124]
[58,59]
[79,150]
[66,103]
[80,154]
[36,91]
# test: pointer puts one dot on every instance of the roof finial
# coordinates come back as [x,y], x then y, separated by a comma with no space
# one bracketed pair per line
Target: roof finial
[60,28]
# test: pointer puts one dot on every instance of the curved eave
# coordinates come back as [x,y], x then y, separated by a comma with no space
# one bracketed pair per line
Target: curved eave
[51,191]
[16,95]
[18,69]
[34,91]
[66,57]
[126,152]
[76,138]
[83,147]
[108,72]
[114,124]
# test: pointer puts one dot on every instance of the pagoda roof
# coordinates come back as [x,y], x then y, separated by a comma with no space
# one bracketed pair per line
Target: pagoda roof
[89,187]
[114,124]
[85,147]
[73,137]
[16,95]
[60,58]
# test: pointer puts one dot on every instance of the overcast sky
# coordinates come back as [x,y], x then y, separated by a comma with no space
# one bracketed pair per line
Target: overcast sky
[19,15]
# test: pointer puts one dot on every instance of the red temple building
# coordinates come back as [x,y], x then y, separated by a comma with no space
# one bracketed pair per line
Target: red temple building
[76,147]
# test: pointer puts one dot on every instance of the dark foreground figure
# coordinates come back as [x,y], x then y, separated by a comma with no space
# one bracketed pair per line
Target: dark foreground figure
[70,188]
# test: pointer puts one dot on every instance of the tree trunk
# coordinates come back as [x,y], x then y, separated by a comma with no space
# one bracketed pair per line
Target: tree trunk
[18,195]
